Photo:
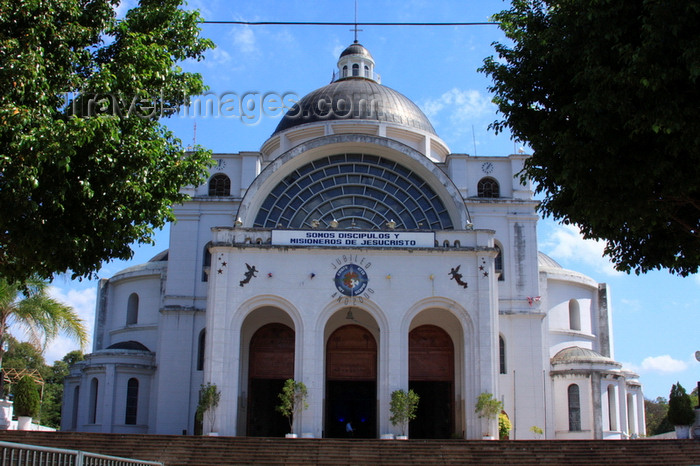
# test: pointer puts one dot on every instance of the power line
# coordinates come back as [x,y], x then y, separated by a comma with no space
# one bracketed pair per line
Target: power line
[324,23]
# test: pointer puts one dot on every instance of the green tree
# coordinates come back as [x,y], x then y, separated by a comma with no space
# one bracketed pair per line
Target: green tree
[487,406]
[27,305]
[605,92]
[23,355]
[403,407]
[680,409]
[656,416]
[86,167]
[209,397]
[26,401]
[53,388]
[292,400]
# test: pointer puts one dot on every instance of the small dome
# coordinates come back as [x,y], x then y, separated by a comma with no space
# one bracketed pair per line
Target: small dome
[355,99]
[129,345]
[543,260]
[356,49]
[160,257]
[578,355]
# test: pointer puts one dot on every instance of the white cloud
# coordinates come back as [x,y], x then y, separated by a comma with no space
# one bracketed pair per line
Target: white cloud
[217,57]
[565,243]
[244,39]
[432,107]
[632,305]
[628,366]
[462,105]
[663,364]
[462,115]
[337,50]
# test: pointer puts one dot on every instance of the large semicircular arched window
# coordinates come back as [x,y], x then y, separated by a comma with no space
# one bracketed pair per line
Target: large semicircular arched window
[356,190]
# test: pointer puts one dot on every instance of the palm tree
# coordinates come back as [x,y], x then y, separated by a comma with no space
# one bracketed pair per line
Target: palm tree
[28,305]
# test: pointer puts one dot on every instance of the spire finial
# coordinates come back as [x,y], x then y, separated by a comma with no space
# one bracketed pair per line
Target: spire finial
[355,28]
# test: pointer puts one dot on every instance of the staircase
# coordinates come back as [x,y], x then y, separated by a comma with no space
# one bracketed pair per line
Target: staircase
[174,450]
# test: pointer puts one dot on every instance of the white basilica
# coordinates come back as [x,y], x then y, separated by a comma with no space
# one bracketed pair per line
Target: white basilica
[355,253]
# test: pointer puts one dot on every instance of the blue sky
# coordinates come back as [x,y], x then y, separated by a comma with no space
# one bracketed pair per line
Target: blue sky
[655,316]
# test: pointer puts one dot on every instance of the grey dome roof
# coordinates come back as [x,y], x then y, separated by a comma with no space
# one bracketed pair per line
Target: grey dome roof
[576,354]
[358,99]
[356,49]
[128,345]
[160,257]
[543,260]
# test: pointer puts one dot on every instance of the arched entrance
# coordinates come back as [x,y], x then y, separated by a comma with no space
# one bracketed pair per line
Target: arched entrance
[271,362]
[431,376]
[351,382]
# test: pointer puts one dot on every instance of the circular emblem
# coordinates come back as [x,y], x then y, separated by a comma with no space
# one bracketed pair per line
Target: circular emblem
[351,280]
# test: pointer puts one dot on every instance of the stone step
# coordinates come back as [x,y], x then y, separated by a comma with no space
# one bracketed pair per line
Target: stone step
[202,451]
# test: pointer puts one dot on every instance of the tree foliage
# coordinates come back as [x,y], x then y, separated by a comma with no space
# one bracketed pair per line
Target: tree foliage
[25,356]
[680,408]
[53,388]
[86,167]
[26,397]
[403,407]
[29,306]
[292,400]
[209,397]
[487,406]
[656,416]
[504,426]
[605,92]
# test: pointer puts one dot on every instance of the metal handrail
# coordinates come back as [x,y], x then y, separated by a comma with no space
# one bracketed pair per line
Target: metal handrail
[19,454]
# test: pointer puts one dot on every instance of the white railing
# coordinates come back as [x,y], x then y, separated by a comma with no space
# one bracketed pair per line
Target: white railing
[373,76]
[18,454]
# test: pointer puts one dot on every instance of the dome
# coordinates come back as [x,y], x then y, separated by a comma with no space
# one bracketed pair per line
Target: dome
[356,93]
[160,257]
[543,260]
[128,345]
[578,355]
[356,49]
[359,99]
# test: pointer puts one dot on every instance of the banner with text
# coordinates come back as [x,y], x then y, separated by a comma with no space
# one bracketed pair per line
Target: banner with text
[360,239]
